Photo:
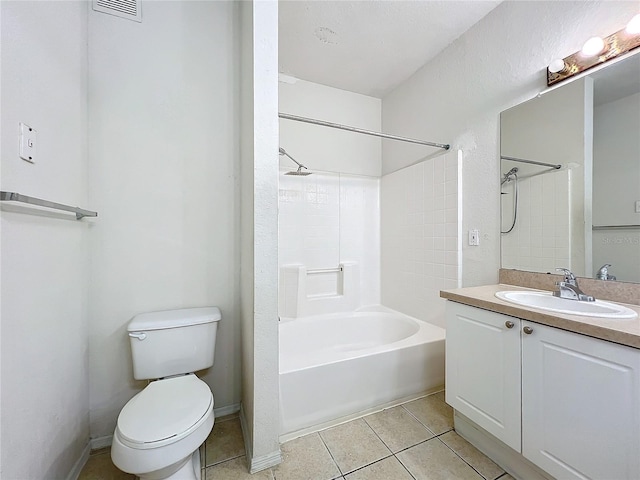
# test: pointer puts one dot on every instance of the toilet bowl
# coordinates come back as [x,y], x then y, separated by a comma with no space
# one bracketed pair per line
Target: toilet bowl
[159,431]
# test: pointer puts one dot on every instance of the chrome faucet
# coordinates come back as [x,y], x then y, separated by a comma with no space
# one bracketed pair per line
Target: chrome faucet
[603,273]
[568,288]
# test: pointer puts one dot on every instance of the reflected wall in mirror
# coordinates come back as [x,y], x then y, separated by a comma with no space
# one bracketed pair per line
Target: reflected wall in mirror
[578,205]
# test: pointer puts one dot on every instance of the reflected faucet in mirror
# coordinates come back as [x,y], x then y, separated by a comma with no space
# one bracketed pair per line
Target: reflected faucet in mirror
[603,273]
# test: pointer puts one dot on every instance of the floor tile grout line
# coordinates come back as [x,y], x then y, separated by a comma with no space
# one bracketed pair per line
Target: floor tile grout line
[404,466]
[460,457]
[419,421]
[419,443]
[504,472]
[330,454]
[376,434]
[369,464]
[225,460]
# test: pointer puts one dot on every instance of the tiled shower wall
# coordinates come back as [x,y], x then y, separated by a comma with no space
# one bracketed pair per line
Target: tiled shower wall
[420,236]
[541,238]
[326,219]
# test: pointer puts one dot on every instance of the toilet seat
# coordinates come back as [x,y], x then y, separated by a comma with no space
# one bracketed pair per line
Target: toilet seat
[164,412]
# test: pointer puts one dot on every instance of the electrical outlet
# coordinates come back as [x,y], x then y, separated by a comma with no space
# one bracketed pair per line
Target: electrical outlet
[474,237]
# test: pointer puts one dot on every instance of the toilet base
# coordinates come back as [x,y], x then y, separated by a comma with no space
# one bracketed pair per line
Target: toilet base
[189,470]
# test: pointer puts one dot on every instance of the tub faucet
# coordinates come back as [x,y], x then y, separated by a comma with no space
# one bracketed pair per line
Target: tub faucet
[568,288]
[603,273]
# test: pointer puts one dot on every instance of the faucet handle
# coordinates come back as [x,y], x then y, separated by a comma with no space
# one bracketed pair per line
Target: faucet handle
[568,275]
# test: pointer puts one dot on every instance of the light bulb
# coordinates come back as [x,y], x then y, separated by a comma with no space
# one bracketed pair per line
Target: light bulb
[633,27]
[593,46]
[556,65]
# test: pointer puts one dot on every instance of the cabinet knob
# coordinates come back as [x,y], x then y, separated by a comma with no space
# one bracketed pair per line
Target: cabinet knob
[509,324]
[527,330]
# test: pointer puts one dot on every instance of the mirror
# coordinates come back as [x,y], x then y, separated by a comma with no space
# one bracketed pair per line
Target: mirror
[570,176]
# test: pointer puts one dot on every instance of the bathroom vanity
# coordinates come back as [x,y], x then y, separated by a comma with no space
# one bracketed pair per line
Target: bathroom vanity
[546,395]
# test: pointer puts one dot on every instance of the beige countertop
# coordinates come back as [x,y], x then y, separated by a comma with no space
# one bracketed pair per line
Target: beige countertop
[624,332]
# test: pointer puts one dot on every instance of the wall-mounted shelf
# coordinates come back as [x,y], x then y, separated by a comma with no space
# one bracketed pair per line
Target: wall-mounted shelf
[17,197]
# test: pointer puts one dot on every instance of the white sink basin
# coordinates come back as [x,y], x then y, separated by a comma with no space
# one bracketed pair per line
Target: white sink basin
[546,301]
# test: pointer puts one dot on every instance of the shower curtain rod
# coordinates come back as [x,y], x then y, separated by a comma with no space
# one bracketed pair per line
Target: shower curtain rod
[532,162]
[361,130]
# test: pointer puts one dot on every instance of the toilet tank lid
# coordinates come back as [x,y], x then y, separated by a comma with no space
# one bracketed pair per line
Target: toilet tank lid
[174,318]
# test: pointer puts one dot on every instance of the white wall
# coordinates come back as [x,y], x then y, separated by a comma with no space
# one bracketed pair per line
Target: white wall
[164,175]
[616,186]
[259,226]
[457,97]
[324,148]
[616,165]
[420,249]
[45,375]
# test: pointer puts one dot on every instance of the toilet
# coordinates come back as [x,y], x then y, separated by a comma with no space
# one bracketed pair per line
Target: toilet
[160,430]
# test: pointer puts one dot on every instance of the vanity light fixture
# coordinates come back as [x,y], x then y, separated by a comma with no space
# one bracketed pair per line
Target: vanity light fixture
[596,51]
[592,47]
[633,26]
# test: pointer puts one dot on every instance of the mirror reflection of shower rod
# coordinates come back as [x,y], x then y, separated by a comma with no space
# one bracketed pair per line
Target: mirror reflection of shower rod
[339,126]
[532,162]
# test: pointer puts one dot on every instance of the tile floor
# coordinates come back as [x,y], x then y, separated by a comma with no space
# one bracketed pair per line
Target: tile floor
[411,441]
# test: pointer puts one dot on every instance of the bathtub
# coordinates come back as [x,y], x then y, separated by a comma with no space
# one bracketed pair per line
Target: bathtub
[337,366]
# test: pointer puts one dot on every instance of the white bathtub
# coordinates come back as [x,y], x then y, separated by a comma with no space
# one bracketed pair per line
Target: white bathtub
[339,365]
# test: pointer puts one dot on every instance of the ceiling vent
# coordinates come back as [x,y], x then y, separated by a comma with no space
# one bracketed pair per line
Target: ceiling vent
[129,9]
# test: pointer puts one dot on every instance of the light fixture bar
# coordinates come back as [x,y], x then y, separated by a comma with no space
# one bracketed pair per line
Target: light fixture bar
[616,44]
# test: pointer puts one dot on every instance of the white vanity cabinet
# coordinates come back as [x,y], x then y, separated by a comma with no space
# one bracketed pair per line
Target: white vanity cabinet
[580,405]
[483,370]
[576,398]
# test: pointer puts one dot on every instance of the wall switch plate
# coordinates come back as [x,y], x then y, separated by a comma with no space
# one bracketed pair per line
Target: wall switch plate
[637,206]
[474,237]
[27,143]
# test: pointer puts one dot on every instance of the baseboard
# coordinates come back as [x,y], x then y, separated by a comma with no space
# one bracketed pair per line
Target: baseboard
[256,464]
[266,461]
[101,442]
[510,460]
[246,435]
[226,410]
[79,465]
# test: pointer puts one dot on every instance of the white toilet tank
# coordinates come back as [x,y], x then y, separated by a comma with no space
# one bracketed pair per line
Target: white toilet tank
[172,342]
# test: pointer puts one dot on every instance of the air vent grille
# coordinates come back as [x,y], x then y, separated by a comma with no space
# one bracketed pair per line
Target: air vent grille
[129,9]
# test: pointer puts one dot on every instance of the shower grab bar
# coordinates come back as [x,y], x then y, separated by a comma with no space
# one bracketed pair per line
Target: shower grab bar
[532,162]
[613,227]
[349,128]
[324,270]
[17,197]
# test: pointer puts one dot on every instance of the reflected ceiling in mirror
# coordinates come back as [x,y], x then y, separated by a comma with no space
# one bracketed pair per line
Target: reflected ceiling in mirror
[584,214]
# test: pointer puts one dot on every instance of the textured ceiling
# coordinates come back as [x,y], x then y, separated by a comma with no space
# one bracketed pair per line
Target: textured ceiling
[369,47]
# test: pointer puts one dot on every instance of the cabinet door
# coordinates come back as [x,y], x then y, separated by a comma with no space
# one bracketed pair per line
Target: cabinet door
[483,369]
[580,405]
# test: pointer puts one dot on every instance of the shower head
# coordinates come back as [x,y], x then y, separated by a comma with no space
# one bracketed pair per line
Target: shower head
[299,172]
[507,176]
[282,151]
